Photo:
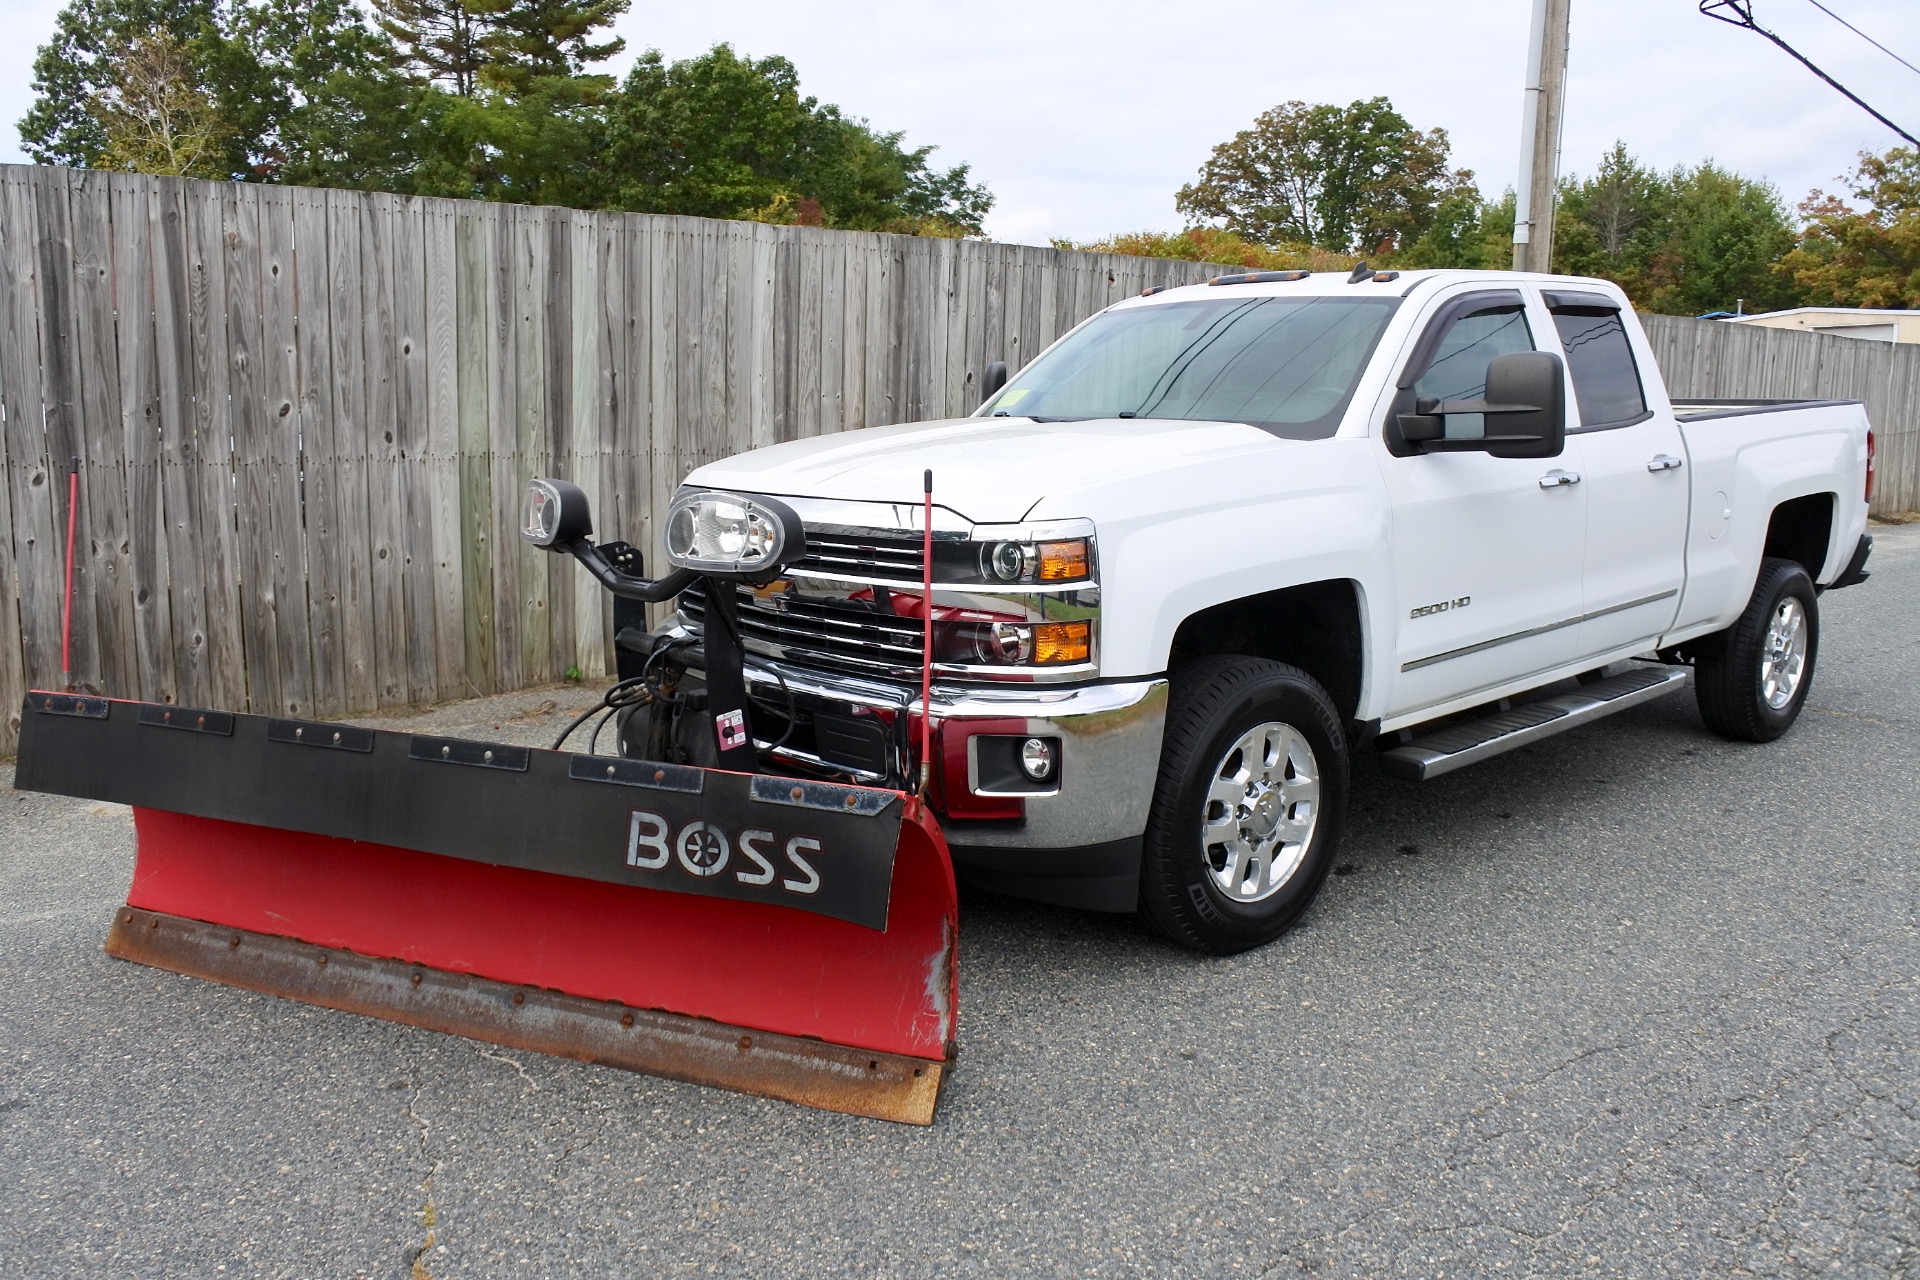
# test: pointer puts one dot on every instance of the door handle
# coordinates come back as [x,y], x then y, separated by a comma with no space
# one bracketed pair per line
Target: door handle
[1664,462]
[1558,479]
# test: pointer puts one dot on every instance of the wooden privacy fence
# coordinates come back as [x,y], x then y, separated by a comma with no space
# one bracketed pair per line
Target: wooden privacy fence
[304,419]
[1710,359]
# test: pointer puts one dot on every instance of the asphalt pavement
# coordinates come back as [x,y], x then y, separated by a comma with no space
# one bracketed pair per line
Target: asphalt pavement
[1631,1002]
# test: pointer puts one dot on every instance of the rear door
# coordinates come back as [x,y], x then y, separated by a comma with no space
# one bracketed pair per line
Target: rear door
[1633,470]
[1486,550]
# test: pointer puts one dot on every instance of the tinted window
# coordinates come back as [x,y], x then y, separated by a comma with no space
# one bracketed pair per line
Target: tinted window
[1287,365]
[1606,382]
[1458,370]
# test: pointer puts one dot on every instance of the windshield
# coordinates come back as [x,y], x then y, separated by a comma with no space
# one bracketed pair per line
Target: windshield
[1287,365]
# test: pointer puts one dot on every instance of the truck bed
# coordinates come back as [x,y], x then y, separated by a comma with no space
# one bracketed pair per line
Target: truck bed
[1698,410]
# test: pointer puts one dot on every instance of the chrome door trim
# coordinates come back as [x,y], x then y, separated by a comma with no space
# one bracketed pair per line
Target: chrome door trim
[1530,632]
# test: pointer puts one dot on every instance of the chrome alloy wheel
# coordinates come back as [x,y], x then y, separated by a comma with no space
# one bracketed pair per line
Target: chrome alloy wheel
[1783,654]
[1260,812]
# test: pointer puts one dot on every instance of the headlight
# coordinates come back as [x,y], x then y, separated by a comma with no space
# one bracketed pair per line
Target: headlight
[1063,561]
[557,513]
[1013,644]
[728,533]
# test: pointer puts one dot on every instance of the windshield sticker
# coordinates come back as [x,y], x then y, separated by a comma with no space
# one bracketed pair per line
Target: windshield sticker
[1013,395]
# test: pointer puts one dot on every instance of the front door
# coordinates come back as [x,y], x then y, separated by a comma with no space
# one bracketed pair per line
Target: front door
[1486,551]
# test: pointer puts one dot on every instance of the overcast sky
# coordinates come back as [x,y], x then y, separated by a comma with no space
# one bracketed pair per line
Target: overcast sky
[1084,118]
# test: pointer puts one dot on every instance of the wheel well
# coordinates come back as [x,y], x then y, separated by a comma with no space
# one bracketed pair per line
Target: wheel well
[1802,529]
[1315,627]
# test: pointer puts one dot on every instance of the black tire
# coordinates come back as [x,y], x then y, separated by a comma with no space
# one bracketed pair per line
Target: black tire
[1729,685]
[1215,702]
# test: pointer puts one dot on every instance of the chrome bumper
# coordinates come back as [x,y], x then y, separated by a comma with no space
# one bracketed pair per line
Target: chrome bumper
[1109,740]
[1110,754]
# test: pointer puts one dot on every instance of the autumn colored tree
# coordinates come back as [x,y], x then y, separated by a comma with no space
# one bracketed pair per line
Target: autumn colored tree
[1353,179]
[153,113]
[1868,257]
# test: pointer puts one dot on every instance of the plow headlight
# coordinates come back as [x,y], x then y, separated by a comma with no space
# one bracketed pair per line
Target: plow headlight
[728,533]
[557,513]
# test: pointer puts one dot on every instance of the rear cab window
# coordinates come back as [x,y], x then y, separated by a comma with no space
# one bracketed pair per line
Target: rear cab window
[1606,378]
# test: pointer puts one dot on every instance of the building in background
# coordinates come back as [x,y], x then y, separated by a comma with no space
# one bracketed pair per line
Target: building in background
[1845,322]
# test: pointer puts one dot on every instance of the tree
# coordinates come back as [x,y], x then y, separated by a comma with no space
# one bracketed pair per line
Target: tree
[1863,257]
[75,68]
[1691,240]
[529,40]
[1354,179]
[154,116]
[439,40]
[725,136]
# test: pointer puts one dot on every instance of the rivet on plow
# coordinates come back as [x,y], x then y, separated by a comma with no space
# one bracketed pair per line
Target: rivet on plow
[234,941]
[611,770]
[659,775]
[445,752]
[488,756]
[167,716]
[797,793]
[852,800]
[336,735]
[201,722]
[746,1042]
[416,979]
[519,997]
[323,962]
[301,733]
[626,1019]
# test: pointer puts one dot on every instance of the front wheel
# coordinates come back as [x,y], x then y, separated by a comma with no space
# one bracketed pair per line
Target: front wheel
[1754,689]
[1248,806]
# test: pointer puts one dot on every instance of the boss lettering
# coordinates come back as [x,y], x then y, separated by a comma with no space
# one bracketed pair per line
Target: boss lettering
[706,852]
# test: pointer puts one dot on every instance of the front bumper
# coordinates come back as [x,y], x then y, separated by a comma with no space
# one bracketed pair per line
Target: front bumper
[1078,846]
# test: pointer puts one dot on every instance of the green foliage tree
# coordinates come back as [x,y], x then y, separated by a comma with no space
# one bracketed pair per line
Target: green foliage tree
[531,40]
[437,40]
[486,99]
[1866,257]
[1353,179]
[76,68]
[1691,240]
[725,136]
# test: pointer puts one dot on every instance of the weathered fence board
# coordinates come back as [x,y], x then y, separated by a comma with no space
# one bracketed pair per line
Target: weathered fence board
[305,418]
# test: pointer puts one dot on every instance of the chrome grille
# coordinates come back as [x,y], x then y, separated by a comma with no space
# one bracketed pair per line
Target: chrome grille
[846,634]
[879,556]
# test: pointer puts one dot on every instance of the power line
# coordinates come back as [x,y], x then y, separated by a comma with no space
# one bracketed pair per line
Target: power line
[1864,36]
[1739,13]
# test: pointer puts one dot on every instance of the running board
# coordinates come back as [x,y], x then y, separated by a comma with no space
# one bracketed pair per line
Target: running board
[1459,745]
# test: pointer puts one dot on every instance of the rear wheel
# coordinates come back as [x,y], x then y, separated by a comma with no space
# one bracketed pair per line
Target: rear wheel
[1248,807]
[1754,689]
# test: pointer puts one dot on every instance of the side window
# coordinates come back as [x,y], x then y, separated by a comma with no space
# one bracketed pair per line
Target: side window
[1606,382]
[1458,370]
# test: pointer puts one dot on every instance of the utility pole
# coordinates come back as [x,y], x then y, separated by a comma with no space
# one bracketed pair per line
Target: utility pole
[1540,137]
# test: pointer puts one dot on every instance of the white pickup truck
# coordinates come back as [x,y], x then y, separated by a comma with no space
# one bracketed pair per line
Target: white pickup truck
[1218,538]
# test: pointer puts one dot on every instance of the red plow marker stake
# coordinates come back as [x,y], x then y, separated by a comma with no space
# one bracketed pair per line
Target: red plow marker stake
[608,910]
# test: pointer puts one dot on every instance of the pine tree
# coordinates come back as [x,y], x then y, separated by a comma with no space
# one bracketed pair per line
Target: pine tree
[529,40]
[439,40]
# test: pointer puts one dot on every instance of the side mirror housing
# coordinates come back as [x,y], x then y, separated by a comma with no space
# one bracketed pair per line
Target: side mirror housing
[1527,403]
[1525,411]
[994,379]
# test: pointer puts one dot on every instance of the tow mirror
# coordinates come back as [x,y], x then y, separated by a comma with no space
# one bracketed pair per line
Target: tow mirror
[1525,410]
[995,378]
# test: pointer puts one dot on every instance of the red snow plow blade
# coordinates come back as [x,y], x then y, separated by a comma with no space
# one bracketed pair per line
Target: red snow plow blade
[780,937]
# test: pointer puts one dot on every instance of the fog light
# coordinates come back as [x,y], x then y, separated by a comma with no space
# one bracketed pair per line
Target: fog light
[1036,758]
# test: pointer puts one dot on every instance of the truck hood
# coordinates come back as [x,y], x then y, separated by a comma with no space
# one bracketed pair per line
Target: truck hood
[988,470]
